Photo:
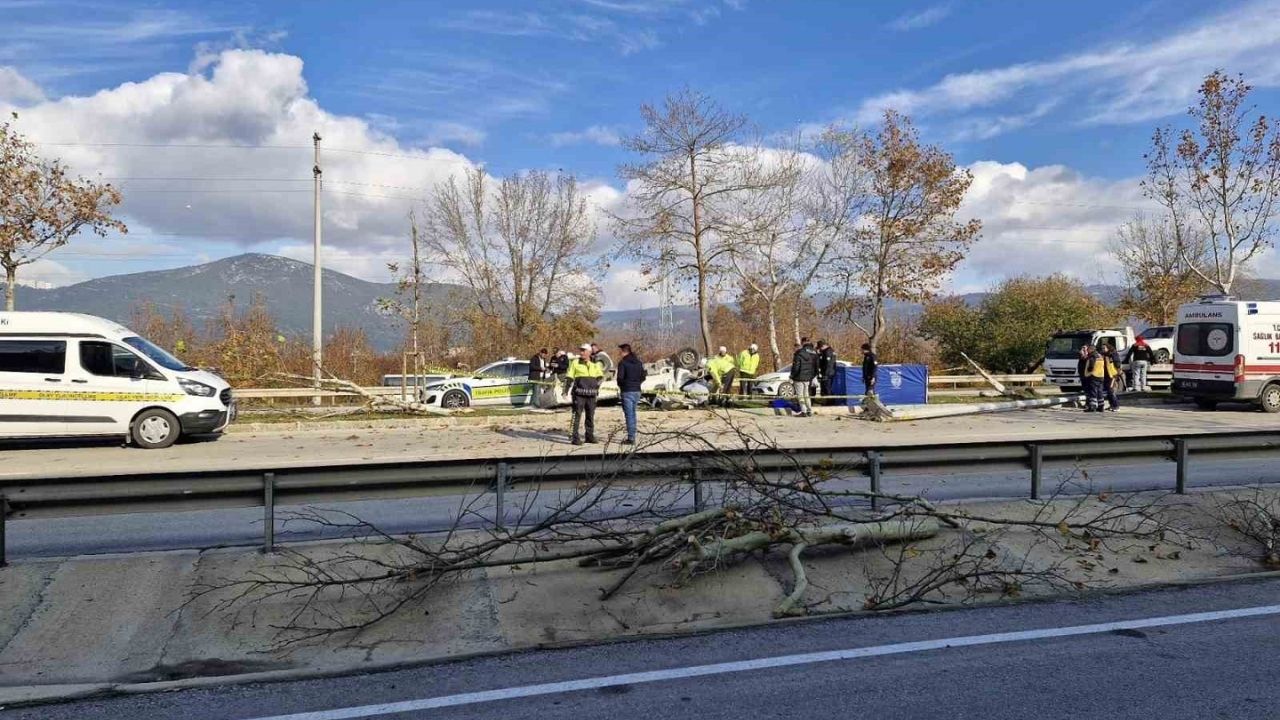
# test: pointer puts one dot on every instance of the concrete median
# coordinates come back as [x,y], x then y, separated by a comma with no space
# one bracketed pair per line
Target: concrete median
[140,622]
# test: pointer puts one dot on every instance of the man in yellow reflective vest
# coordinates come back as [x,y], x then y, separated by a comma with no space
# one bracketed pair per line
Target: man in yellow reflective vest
[585,376]
[723,371]
[748,364]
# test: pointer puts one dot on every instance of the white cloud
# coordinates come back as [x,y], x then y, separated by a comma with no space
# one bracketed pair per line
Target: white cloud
[594,135]
[48,273]
[626,288]
[246,122]
[444,133]
[1038,221]
[1118,84]
[923,19]
[16,89]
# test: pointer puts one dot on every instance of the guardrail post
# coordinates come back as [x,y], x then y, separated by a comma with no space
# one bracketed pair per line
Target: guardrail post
[1180,456]
[4,512]
[268,512]
[873,470]
[699,502]
[502,476]
[1037,469]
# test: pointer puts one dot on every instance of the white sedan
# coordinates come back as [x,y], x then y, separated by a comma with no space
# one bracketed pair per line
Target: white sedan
[778,384]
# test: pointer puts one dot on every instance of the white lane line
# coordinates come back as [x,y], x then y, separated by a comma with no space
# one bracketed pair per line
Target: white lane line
[595,683]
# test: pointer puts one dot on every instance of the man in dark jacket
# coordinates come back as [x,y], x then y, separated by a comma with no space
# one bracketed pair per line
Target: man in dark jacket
[1140,359]
[631,375]
[560,368]
[538,366]
[870,366]
[804,368]
[539,371]
[826,371]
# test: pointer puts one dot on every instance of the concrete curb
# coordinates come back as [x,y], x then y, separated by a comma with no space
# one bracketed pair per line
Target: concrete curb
[33,695]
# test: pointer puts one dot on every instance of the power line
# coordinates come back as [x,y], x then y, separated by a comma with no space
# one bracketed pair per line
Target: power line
[206,146]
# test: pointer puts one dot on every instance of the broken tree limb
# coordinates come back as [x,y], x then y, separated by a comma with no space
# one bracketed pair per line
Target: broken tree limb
[849,534]
[375,402]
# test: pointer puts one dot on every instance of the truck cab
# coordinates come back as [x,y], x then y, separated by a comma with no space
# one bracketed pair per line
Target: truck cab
[1062,353]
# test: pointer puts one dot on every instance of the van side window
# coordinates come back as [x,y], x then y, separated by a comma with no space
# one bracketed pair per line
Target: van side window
[44,357]
[108,360]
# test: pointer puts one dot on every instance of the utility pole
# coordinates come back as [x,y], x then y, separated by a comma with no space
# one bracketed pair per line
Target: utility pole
[317,330]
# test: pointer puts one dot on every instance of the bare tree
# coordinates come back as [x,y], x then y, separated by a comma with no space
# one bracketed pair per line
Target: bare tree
[407,304]
[42,207]
[522,248]
[675,221]
[1221,179]
[907,240]
[768,230]
[1157,266]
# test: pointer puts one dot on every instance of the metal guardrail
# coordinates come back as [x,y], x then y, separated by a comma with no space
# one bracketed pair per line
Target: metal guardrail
[935,381]
[268,486]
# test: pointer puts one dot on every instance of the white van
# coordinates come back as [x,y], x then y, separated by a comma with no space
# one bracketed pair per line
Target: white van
[1228,350]
[64,374]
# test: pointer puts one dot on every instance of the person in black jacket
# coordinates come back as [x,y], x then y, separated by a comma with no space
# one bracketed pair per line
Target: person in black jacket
[631,375]
[538,366]
[804,368]
[560,368]
[539,371]
[1140,358]
[870,366]
[826,371]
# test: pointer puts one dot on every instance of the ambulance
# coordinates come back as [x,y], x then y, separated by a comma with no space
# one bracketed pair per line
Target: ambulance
[1228,350]
[66,375]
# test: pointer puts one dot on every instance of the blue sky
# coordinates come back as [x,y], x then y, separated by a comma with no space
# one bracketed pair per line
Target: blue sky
[1052,104]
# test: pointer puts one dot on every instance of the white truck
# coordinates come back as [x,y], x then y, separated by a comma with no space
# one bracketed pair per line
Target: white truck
[1062,353]
[1228,350]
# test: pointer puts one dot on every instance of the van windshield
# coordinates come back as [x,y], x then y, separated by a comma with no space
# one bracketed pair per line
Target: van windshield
[156,354]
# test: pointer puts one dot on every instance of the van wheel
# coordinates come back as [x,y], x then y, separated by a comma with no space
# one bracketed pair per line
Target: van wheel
[1206,403]
[155,429]
[454,399]
[1269,400]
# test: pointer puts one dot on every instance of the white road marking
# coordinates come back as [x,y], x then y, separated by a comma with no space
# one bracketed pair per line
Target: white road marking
[595,683]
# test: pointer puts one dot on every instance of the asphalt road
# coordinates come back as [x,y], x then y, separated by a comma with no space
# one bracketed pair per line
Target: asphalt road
[539,434]
[1194,653]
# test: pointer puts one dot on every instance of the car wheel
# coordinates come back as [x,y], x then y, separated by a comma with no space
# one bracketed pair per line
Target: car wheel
[1269,400]
[455,399]
[1206,403]
[685,359]
[1162,357]
[786,390]
[155,429]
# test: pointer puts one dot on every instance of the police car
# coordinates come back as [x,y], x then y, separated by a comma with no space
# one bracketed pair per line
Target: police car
[501,383]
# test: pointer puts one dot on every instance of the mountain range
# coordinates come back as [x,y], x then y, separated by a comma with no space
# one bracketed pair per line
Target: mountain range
[284,285]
